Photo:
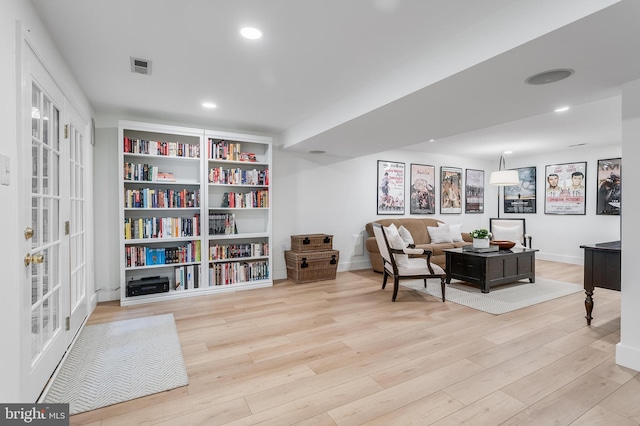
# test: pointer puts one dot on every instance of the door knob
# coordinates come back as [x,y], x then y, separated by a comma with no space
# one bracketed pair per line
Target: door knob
[36,258]
[28,233]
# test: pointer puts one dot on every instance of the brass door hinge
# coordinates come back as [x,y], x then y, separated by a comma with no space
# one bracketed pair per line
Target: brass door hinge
[66,228]
[67,323]
[66,131]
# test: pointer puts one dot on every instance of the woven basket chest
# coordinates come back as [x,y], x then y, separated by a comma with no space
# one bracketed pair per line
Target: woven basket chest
[311,242]
[311,266]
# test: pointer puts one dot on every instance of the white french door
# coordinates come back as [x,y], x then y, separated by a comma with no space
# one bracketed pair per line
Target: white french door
[54,276]
[77,220]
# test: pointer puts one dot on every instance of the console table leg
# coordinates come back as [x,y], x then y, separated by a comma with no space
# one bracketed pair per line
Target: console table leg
[588,304]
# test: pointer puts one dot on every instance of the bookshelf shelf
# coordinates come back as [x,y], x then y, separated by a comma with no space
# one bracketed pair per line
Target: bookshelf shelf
[169,160]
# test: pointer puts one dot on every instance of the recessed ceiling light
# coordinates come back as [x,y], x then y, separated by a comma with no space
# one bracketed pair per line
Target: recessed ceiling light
[209,105]
[251,33]
[432,140]
[551,76]
[562,109]
[508,152]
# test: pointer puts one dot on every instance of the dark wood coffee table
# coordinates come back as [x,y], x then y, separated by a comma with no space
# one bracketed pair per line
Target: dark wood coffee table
[491,269]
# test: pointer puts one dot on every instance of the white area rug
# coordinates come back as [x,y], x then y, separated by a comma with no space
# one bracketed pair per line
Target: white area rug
[500,299]
[118,361]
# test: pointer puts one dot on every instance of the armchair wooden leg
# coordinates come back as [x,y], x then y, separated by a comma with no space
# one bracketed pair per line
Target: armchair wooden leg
[384,279]
[396,284]
[425,283]
[442,287]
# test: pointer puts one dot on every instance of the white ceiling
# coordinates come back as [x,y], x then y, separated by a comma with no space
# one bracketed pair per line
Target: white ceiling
[360,76]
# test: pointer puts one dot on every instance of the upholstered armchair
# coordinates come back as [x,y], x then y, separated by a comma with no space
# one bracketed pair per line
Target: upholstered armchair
[510,229]
[397,263]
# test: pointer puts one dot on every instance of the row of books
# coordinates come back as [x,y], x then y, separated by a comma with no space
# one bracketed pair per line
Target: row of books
[238,272]
[224,150]
[238,176]
[161,227]
[161,198]
[243,200]
[236,251]
[187,277]
[222,224]
[146,173]
[168,149]
[147,256]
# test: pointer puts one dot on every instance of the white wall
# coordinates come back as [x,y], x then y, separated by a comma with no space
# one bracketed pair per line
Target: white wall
[628,350]
[106,214]
[11,251]
[9,256]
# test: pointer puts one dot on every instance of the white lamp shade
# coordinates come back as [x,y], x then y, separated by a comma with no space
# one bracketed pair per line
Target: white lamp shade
[504,178]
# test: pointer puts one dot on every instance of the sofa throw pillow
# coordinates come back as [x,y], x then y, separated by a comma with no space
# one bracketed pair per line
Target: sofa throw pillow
[439,234]
[504,233]
[396,242]
[456,231]
[406,236]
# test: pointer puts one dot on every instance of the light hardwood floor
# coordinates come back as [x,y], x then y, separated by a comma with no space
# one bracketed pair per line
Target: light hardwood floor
[340,352]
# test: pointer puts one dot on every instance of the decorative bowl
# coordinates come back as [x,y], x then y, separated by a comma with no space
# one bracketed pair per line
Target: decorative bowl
[503,244]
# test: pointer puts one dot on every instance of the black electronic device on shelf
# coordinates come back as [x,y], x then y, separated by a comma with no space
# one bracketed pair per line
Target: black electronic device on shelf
[147,285]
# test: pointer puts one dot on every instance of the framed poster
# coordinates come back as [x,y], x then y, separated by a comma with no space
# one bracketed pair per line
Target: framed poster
[423,189]
[609,186]
[450,190]
[474,191]
[521,198]
[390,187]
[565,191]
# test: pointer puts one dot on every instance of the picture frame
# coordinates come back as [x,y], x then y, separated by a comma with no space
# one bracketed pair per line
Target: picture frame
[391,176]
[565,188]
[474,191]
[521,198]
[422,193]
[609,199]
[450,190]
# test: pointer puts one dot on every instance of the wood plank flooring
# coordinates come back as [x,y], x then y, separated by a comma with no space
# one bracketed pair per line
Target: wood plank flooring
[340,352]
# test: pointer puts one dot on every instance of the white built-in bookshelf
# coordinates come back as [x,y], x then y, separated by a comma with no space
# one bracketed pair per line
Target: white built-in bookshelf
[194,210]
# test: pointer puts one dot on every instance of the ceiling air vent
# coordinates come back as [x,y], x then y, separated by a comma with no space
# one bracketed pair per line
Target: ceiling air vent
[140,66]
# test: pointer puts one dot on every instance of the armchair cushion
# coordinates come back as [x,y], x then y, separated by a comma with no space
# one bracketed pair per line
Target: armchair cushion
[509,234]
[416,266]
[396,242]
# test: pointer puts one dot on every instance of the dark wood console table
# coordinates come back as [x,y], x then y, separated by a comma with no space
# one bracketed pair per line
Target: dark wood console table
[601,269]
[491,269]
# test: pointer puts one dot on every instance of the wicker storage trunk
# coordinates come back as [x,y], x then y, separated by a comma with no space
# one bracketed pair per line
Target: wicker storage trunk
[311,242]
[311,266]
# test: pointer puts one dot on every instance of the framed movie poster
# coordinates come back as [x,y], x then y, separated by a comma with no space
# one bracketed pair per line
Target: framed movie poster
[565,191]
[450,190]
[521,198]
[474,191]
[390,187]
[609,186]
[423,189]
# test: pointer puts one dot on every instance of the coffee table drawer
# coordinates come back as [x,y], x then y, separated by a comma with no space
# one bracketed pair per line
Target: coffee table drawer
[467,266]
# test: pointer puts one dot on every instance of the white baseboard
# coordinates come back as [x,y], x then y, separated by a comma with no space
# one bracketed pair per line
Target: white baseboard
[560,258]
[628,356]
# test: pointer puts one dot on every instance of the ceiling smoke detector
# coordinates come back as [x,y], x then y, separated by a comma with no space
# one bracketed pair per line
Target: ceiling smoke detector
[549,76]
[140,66]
